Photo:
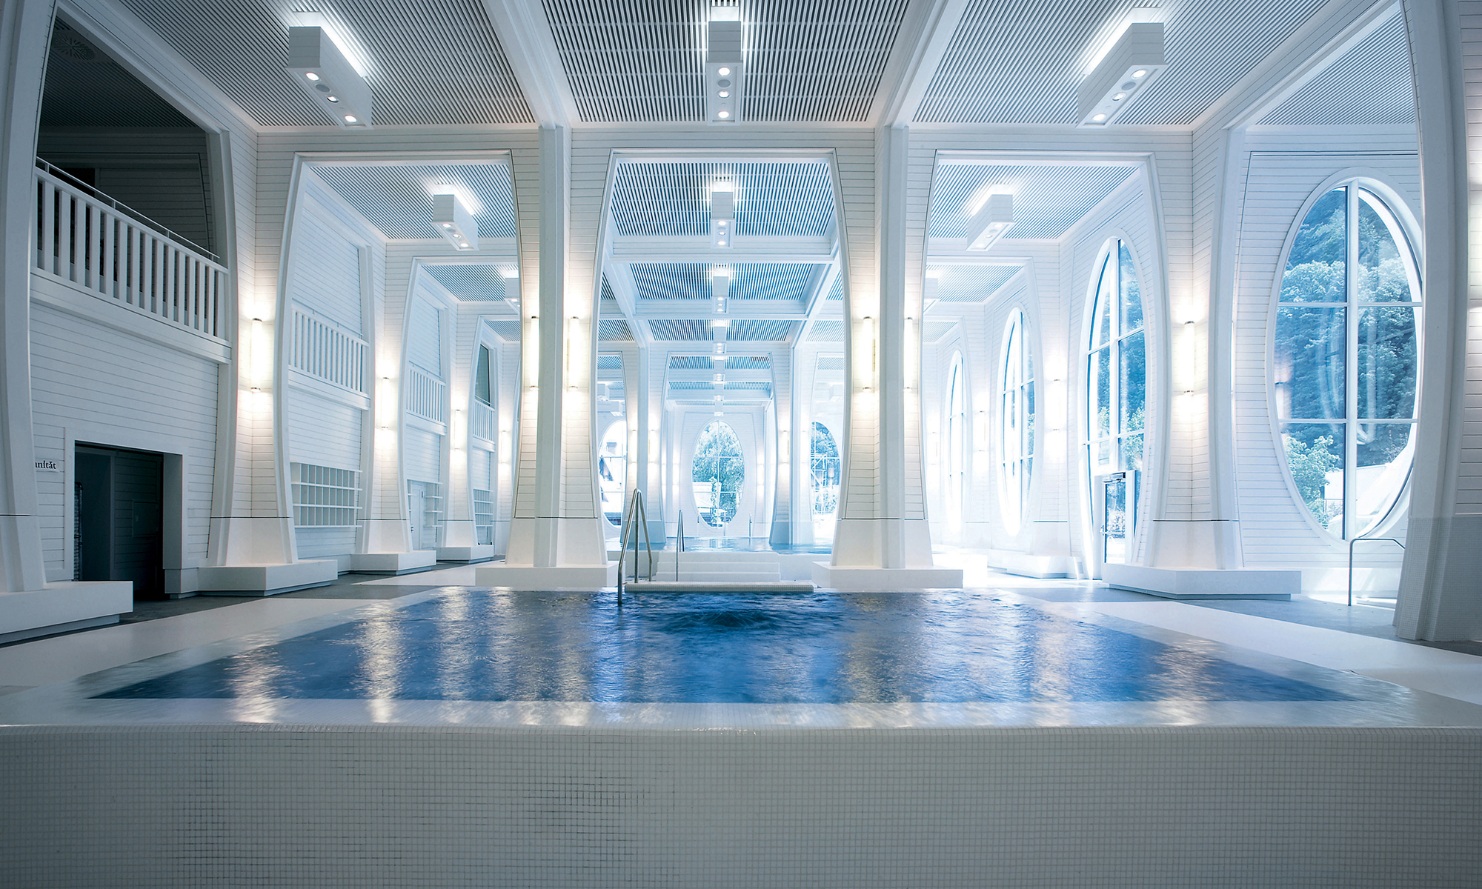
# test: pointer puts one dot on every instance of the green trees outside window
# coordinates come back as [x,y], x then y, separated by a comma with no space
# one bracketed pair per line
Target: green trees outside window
[1116,366]
[1345,359]
[1016,423]
[717,471]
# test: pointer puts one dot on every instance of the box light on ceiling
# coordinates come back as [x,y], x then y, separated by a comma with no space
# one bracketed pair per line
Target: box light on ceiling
[990,222]
[1133,62]
[454,222]
[720,288]
[723,65]
[324,72]
[722,214]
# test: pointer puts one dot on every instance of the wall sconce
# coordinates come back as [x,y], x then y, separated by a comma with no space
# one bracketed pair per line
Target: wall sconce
[1133,62]
[322,70]
[454,222]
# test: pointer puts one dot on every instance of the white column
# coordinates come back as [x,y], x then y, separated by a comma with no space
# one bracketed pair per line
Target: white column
[882,539]
[460,535]
[556,534]
[788,500]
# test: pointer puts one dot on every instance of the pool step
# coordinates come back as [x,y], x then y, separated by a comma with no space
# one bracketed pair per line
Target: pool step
[717,586]
[711,567]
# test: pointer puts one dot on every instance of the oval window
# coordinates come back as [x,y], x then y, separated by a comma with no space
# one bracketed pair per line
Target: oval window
[825,467]
[717,473]
[1345,359]
[1016,427]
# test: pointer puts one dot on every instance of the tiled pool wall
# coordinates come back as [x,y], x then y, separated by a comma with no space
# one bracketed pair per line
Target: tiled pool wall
[192,806]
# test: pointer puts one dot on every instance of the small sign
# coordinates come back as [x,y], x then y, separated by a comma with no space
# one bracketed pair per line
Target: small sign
[48,466]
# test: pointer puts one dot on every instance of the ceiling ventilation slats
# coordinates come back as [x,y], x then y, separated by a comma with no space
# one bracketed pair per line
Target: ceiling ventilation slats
[1381,62]
[772,199]
[475,282]
[398,199]
[1048,198]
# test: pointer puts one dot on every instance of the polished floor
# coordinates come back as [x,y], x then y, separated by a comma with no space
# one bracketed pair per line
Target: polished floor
[1365,676]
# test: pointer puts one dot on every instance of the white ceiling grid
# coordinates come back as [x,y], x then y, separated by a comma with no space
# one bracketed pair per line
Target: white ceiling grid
[783,199]
[1048,198]
[1021,61]
[430,61]
[643,61]
[398,199]
[1381,63]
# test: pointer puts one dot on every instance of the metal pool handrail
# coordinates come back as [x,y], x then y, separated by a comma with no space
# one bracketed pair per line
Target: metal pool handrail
[637,516]
[1350,558]
[679,545]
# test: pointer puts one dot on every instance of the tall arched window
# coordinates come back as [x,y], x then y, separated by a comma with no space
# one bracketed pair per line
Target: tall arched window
[718,471]
[1016,426]
[612,470]
[956,442]
[826,471]
[1116,367]
[1345,359]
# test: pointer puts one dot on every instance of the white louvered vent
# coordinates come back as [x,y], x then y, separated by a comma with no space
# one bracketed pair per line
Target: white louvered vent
[671,280]
[690,362]
[972,283]
[749,362]
[86,88]
[826,332]
[1020,61]
[428,61]
[686,330]
[772,281]
[643,61]
[749,330]
[613,331]
[707,386]
[772,199]
[1048,198]
[836,292]
[472,282]
[1381,63]
[609,362]
[398,199]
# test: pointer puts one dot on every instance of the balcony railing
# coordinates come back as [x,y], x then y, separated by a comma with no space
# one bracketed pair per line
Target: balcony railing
[327,352]
[425,397]
[104,247]
[482,425]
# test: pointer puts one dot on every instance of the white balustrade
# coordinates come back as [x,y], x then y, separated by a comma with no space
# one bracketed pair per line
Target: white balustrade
[327,352]
[94,244]
[482,421]
[425,395]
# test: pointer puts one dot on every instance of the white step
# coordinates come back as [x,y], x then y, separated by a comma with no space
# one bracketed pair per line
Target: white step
[669,586]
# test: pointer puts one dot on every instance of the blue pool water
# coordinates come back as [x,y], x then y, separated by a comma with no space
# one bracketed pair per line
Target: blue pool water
[481,645]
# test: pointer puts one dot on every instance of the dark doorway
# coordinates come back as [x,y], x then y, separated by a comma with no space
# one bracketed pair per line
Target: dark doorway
[118,529]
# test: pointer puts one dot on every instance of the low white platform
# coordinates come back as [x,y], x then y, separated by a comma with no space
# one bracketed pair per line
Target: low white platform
[393,563]
[478,553]
[878,580]
[267,580]
[1031,564]
[524,577]
[1204,583]
[717,586]
[60,607]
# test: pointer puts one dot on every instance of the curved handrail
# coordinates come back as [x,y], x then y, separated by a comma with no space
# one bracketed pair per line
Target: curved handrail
[679,547]
[1358,540]
[634,523]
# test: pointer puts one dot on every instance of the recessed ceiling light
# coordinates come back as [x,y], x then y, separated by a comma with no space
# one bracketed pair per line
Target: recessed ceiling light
[725,94]
[311,75]
[723,115]
[1140,72]
[349,118]
[332,99]
[1119,97]
[1098,117]
[724,72]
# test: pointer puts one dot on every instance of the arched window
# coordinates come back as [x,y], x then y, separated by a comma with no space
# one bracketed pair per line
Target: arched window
[1116,367]
[1016,427]
[717,472]
[823,461]
[1345,359]
[612,470]
[956,438]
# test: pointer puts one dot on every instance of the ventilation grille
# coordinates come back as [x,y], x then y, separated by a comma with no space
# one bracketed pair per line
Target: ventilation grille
[671,280]
[398,199]
[609,362]
[690,362]
[404,42]
[705,386]
[1381,64]
[836,292]
[826,332]
[644,60]
[755,331]
[773,281]
[1021,61]
[476,283]
[749,362]
[1048,199]
[972,283]
[772,199]
[509,331]
[687,330]
[614,331]
[85,88]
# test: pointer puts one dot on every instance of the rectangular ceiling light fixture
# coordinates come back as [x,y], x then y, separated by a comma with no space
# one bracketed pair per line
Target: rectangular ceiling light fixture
[720,288]
[995,217]
[321,69]
[723,64]
[722,214]
[454,222]
[1134,61]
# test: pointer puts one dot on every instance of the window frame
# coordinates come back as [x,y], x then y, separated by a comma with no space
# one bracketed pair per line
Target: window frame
[1016,366]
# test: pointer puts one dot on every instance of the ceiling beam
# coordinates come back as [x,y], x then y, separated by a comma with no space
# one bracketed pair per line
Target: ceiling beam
[925,33]
[525,36]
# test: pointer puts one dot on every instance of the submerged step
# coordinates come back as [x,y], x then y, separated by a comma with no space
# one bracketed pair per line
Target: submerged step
[717,586]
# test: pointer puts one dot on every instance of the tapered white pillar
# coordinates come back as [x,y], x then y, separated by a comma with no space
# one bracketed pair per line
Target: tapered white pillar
[556,535]
[460,535]
[882,540]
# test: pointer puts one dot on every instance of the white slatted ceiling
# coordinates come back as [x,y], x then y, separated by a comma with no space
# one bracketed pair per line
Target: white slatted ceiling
[672,280]
[932,331]
[826,331]
[611,331]
[972,283]
[667,330]
[1381,64]
[1048,198]
[772,199]
[609,362]
[644,60]
[749,362]
[750,281]
[397,199]
[751,330]
[1021,61]
[86,88]
[474,282]
[430,61]
[509,331]
[690,362]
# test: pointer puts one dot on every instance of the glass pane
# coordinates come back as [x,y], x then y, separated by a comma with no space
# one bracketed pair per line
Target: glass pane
[1100,387]
[483,389]
[1382,275]
[1131,290]
[1387,362]
[824,462]
[612,471]
[717,473]
[1101,325]
[1029,419]
[1131,456]
[1133,383]
[1309,362]
[1314,270]
[1384,455]
[1314,454]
